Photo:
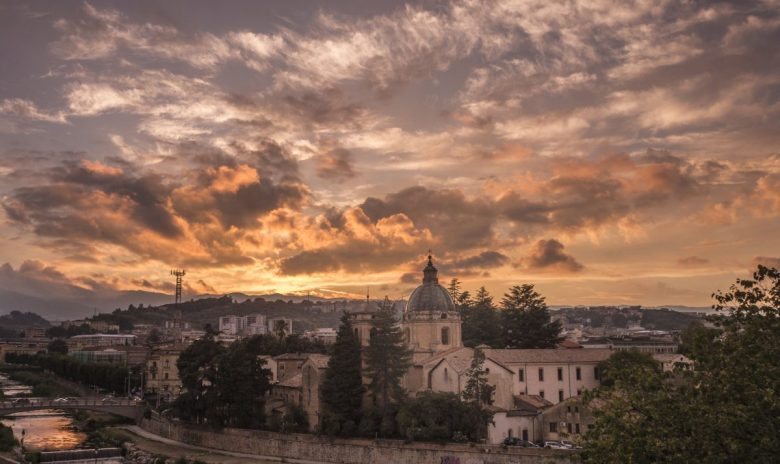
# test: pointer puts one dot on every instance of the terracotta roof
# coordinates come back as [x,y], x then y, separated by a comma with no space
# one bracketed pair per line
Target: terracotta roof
[566,343]
[531,402]
[552,356]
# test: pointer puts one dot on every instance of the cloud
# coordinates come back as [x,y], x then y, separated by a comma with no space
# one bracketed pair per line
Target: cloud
[766,261]
[692,261]
[25,109]
[335,164]
[549,255]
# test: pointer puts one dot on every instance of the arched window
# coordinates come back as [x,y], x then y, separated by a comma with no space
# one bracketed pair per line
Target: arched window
[445,335]
[444,315]
[446,374]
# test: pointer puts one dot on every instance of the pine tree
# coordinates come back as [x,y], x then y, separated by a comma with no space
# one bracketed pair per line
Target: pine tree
[525,320]
[478,393]
[387,359]
[480,321]
[342,388]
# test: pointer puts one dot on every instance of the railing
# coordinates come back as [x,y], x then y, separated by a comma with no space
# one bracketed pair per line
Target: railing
[60,403]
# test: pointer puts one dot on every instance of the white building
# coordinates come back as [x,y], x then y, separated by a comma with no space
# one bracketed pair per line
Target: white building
[231,324]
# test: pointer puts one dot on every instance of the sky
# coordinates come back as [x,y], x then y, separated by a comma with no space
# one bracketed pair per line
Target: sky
[607,152]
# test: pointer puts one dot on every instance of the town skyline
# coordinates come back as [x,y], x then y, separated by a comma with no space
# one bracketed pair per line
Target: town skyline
[622,155]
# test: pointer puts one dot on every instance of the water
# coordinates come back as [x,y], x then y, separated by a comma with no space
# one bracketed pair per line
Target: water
[45,430]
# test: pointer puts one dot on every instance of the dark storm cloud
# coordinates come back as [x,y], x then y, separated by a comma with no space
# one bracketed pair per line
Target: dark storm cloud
[458,222]
[549,254]
[335,164]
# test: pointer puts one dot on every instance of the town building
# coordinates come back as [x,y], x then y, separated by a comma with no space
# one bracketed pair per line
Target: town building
[290,364]
[101,355]
[162,375]
[100,339]
[23,346]
[568,420]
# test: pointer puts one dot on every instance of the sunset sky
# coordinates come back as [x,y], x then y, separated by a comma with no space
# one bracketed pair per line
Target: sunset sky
[608,152]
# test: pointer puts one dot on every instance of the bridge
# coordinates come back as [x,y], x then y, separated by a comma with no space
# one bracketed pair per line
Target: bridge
[119,406]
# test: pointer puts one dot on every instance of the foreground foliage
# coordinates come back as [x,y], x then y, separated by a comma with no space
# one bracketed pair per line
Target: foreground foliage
[725,411]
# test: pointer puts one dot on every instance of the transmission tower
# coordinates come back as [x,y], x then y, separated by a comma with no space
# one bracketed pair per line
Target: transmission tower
[178,273]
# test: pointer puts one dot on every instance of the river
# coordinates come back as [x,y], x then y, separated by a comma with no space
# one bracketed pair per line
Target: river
[45,430]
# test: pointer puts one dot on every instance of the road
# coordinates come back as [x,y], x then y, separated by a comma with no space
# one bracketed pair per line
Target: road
[157,444]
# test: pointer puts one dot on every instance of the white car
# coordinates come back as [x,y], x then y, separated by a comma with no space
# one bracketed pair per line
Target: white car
[552,444]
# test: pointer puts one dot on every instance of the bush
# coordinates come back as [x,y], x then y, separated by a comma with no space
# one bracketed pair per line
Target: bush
[7,440]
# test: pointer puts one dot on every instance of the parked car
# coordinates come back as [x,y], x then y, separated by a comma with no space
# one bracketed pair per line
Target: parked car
[21,401]
[517,441]
[109,400]
[66,400]
[552,444]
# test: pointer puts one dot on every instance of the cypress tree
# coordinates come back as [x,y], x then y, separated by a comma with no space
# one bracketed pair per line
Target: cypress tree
[387,360]
[342,388]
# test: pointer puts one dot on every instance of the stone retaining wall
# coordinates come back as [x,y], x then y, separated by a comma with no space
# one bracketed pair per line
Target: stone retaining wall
[349,451]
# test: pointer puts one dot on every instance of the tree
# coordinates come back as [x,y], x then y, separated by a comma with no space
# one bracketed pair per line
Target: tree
[462,299]
[240,384]
[437,416]
[481,325]
[280,328]
[57,346]
[197,367]
[342,387]
[387,360]
[478,394]
[725,410]
[526,320]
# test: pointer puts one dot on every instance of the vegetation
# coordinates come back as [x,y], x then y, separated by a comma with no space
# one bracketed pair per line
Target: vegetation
[7,440]
[59,331]
[57,347]
[525,320]
[480,320]
[342,388]
[106,376]
[726,410]
[437,416]
[223,387]
[478,394]
[387,360]
[43,384]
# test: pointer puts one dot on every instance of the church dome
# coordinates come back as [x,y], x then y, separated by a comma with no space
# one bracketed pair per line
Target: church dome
[430,296]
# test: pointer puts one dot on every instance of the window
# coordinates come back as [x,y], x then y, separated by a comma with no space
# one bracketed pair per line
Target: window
[596,372]
[525,434]
[553,427]
[576,428]
[521,375]
[445,335]
[579,392]
[560,395]
[444,315]
[166,376]
[541,393]
[579,374]
[446,374]
[541,374]
[560,374]
[568,408]
[576,409]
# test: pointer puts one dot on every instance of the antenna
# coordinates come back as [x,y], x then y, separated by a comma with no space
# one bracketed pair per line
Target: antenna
[178,273]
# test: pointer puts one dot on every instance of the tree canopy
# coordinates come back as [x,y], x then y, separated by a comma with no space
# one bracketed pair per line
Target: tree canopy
[725,410]
[525,320]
